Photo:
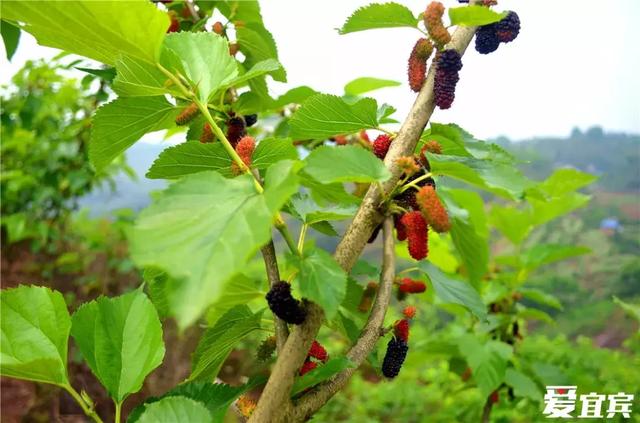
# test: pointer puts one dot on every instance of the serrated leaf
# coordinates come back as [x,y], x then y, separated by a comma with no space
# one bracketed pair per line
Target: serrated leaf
[281,182]
[453,291]
[203,230]
[488,361]
[136,77]
[190,157]
[95,29]
[157,280]
[117,125]
[217,342]
[345,164]
[546,210]
[324,115]
[271,150]
[240,290]
[216,397]
[295,95]
[377,15]
[261,68]
[10,38]
[321,373]
[474,15]
[257,44]
[107,74]
[35,331]
[542,254]
[120,339]
[515,224]
[204,57]
[564,181]
[325,194]
[175,409]
[366,84]
[307,210]
[321,280]
[522,385]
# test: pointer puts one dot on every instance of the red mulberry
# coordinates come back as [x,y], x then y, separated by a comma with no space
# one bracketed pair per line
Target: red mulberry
[174,26]
[417,235]
[318,352]
[307,367]
[408,165]
[432,209]
[283,305]
[187,115]
[508,28]
[448,64]
[218,28]
[381,145]
[401,330]
[417,68]
[236,129]
[401,232]
[207,134]
[340,140]
[244,148]
[494,397]
[411,286]
[364,136]
[433,23]
[409,312]
[394,358]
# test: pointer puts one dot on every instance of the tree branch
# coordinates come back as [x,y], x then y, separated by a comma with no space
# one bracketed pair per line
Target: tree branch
[310,403]
[275,403]
[486,411]
[369,216]
[273,274]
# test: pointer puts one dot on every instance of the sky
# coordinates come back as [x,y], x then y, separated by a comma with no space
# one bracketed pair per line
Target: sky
[575,63]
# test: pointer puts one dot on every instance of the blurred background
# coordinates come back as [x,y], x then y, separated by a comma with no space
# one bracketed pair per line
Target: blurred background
[563,96]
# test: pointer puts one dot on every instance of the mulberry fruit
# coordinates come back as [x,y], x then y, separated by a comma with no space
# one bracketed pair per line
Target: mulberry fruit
[408,165]
[364,136]
[401,330]
[207,134]
[409,312]
[174,26]
[307,367]
[417,67]
[244,148]
[508,28]
[367,297]
[411,286]
[318,352]
[381,145]
[433,23]
[433,147]
[218,28]
[487,40]
[394,358]
[266,348]
[448,64]
[494,397]
[187,114]
[283,305]
[340,140]
[233,49]
[401,232]
[432,209]
[250,120]
[406,200]
[417,235]
[236,129]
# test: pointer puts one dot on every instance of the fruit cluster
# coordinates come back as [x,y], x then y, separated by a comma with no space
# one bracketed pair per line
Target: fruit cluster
[317,352]
[398,345]
[489,37]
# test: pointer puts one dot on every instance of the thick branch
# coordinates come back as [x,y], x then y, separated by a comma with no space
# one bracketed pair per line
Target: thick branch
[368,338]
[368,215]
[275,404]
[273,274]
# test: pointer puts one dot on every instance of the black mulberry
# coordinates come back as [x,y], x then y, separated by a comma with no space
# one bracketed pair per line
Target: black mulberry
[235,130]
[395,356]
[508,28]
[250,120]
[487,39]
[283,305]
[449,62]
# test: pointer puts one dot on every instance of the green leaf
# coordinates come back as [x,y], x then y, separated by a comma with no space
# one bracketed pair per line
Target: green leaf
[488,361]
[454,291]
[240,290]
[321,373]
[157,280]
[120,339]
[117,125]
[514,223]
[107,74]
[190,157]
[295,95]
[281,182]
[202,230]
[324,115]
[528,313]
[35,331]
[135,77]
[541,297]
[216,397]
[98,30]
[271,150]
[307,210]
[175,409]
[217,342]
[205,59]
[632,310]
[378,15]
[365,84]
[324,194]
[564,181]
[321,280]
[474,15]
[259,69]
[546,210]
[257,44]
[522,385]
[345,164]
[541,254]
[10,38]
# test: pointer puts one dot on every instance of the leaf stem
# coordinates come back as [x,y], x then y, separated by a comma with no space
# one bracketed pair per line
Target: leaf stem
[88,410]
[118,405]
[303,233]
[281,226]
[413,184]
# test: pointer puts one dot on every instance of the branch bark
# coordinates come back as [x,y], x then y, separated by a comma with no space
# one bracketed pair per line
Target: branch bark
[486,411]
[372,331]
[273,275]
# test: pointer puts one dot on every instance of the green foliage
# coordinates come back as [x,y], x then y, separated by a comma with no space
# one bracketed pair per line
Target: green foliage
[35,331]
[366,84]
[345,164]
[474,15]
[175,409]
[488,361]
[10,38]
[121,340]
[321,373]
[190,157]
[378,15]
